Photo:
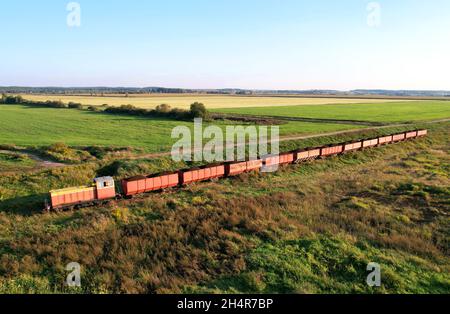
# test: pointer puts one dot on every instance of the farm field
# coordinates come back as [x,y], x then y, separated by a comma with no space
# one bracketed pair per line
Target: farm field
[210,101]
[309,228]
[23,125]
[375,112]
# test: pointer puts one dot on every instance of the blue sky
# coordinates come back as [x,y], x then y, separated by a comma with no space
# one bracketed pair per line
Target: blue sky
[258,44]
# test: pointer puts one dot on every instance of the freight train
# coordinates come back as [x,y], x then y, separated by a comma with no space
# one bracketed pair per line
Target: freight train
[104,189]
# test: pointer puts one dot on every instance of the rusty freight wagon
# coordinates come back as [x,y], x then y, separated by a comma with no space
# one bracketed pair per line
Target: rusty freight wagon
[236,168]
[411,134]
[384,140]
[282,159]
[331,150]
[351,146]
[102,189]
[202,174]
[398,137]
[421,133]
[142,184]
[307,154]
[370,143]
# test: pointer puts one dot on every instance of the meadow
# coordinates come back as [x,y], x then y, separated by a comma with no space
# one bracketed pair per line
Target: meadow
[309,228]
[210,101]
[381,112]
[34,126]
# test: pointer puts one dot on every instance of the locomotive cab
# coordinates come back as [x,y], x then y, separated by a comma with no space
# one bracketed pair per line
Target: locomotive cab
[105,188]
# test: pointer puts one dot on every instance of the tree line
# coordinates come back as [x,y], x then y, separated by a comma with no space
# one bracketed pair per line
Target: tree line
[197,110]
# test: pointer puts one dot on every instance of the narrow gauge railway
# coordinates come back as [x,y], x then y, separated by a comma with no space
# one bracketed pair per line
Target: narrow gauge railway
[104,189]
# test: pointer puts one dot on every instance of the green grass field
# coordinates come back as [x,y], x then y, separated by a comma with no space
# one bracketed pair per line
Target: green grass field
[22,125]
[380,112]
[210,101]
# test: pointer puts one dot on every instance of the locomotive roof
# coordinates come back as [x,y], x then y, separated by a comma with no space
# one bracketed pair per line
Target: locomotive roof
[103,179]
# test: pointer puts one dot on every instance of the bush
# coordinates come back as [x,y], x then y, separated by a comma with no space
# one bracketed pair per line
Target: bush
[127,109]
[58,148]
[163,108]
[11,100]
[198,110]
[74,105]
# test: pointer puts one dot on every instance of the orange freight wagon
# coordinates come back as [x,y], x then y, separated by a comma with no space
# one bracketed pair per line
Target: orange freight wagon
[352,146]
[421,133]
[307,154]
[384,140]
[235,168]
[281,159]
[331,150]
[141,184]
[202,174]
[411,134]
[398,137]
[370,143]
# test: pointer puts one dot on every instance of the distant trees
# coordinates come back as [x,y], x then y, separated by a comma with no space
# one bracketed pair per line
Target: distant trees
[126,109]
[19,100]
[197,110]
[11,100]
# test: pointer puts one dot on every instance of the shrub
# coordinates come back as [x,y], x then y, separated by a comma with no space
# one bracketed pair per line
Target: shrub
[11,100]
[198,110]
[74,105]
[126,109]
[163,108]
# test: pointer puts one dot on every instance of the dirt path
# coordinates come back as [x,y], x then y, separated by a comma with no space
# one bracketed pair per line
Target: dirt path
[297,137]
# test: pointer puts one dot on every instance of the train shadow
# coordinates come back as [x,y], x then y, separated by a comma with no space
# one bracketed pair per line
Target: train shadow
[24,205]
